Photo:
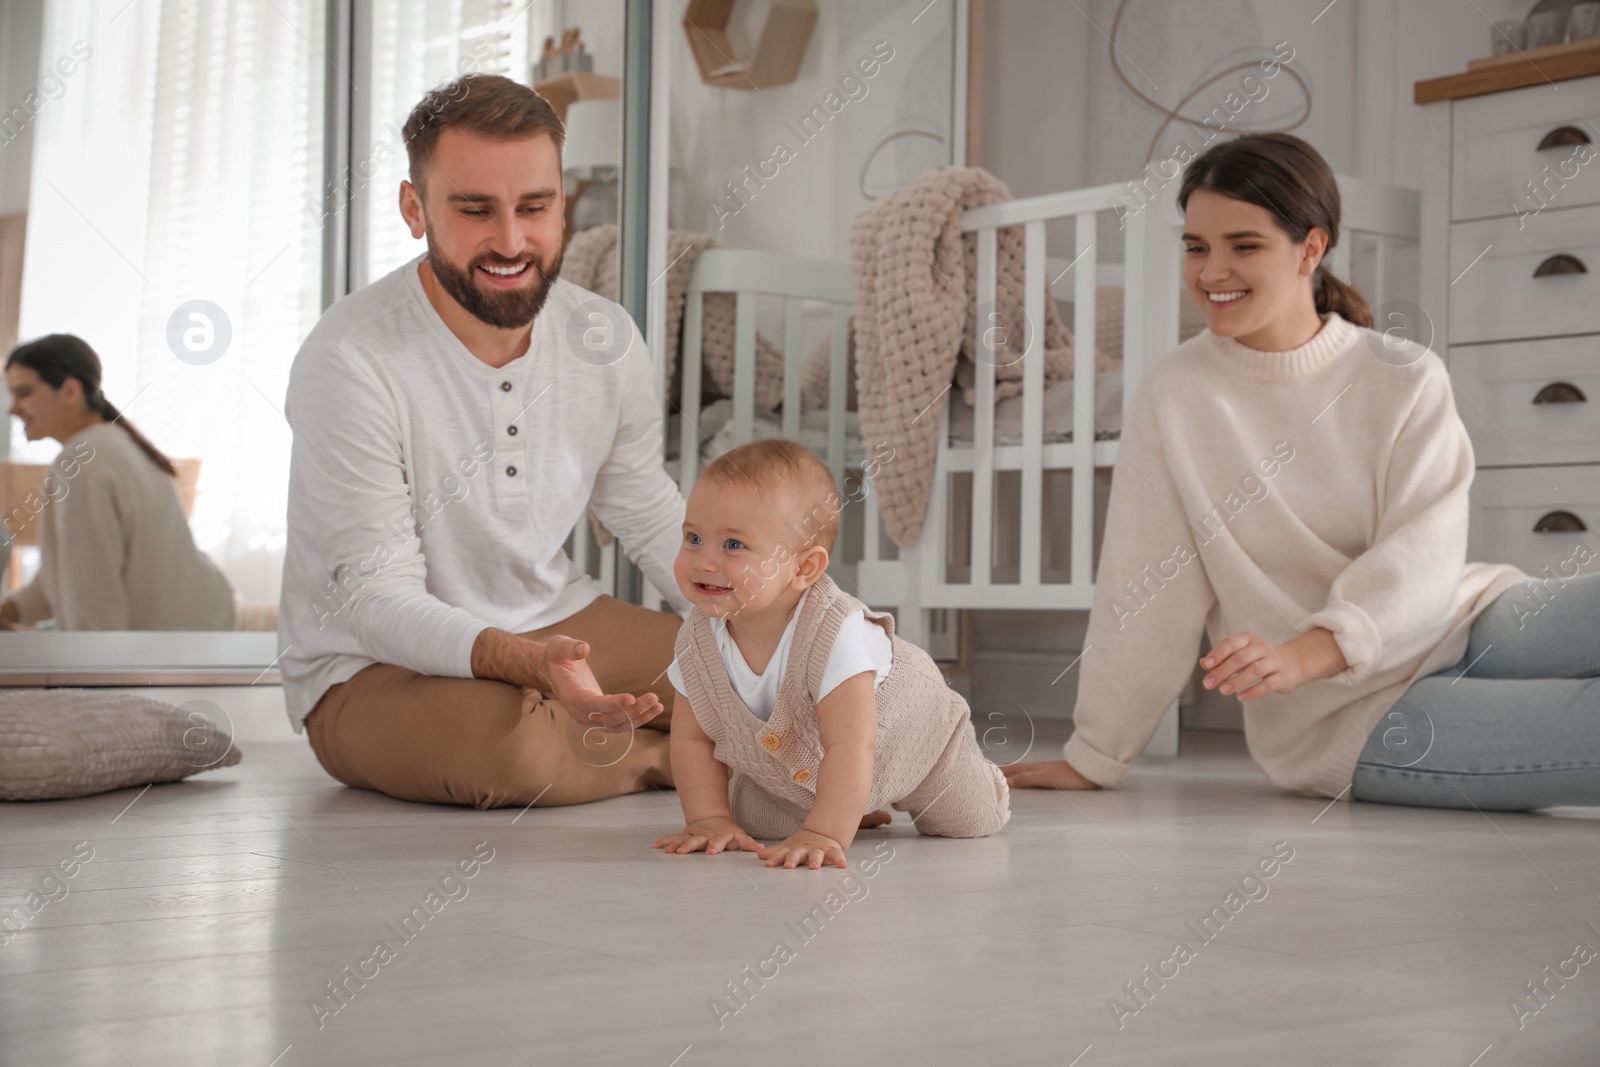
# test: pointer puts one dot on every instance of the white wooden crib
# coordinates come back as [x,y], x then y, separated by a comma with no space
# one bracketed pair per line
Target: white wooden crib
[992,536]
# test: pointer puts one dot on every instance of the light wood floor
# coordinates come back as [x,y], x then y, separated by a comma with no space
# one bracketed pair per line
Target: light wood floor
[214,912]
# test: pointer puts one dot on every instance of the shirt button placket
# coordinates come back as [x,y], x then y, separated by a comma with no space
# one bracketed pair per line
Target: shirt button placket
[504,412]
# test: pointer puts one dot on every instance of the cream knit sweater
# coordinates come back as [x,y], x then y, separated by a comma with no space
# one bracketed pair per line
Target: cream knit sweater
[115,550]
[1276,492]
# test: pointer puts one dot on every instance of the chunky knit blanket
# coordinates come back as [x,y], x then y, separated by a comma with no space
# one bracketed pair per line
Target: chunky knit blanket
[916,283]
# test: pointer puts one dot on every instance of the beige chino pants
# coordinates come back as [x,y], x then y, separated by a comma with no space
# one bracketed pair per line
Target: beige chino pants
[490,744]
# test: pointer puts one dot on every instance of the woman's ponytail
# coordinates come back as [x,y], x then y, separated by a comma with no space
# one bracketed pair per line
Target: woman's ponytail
[109,412]
[1334,295]
[60,356]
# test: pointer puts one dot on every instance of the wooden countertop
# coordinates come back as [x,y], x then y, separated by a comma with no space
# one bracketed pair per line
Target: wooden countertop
[1532,66]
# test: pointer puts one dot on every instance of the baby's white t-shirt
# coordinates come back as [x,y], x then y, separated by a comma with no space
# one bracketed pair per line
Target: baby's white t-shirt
[860,646]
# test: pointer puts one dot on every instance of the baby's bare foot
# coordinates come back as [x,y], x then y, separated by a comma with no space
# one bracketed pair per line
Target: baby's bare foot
[876,818]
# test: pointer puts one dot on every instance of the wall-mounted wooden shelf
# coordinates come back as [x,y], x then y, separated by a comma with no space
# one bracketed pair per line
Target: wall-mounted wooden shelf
[563,89]
[780,46]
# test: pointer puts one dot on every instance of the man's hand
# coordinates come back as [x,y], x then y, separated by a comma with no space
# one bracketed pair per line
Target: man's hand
[805,847]
[1252,666]
[558,667]
[1046,774]
[563,661]
[714,835]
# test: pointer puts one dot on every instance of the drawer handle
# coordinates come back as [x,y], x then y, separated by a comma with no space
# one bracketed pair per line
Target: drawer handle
[1562,137]
[1559,522]
[1561,263]
[1560,393]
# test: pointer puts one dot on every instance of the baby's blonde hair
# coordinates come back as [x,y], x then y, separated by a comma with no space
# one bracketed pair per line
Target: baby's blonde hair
[777,463]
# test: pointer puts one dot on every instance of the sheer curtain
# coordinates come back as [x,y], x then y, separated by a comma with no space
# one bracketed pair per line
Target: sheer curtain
[183,163]
[417,45]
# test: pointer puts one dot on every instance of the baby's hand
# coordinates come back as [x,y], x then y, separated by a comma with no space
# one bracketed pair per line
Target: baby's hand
[805,847]
[713,835]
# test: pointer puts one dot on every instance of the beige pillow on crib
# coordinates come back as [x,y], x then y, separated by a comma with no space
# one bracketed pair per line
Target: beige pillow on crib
[818,371]
[57,743]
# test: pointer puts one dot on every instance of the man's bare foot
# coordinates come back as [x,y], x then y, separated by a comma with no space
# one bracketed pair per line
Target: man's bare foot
[876,818]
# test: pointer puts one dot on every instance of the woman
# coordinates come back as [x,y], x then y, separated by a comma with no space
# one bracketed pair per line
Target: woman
[1295,485]
[115,552]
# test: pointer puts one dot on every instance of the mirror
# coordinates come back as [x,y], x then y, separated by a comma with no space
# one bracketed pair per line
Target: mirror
[182,216]
[767,177]
[174,210]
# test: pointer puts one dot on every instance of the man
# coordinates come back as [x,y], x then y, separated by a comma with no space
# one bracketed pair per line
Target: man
[451,422]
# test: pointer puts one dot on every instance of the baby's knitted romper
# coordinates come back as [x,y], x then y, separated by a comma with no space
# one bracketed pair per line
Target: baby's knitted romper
[927,763]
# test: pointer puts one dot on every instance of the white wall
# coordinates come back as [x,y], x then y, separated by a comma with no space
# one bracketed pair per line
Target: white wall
[1054,115]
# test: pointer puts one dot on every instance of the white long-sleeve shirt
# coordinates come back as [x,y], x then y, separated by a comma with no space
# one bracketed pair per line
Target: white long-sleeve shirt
[115,551]
[1278,492]
[430,494]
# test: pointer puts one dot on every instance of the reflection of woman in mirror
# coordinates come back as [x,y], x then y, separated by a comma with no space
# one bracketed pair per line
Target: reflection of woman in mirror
[115,551]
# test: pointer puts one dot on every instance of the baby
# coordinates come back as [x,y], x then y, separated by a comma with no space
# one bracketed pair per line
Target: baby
[800,714]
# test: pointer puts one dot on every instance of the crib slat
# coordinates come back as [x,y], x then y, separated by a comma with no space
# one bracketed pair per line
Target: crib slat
[1033,401]
[930,557]
[990,326]
[1083,403]
[1383,278]
[580,543]
[1150,325]
[794,365]
[689,414]
[608,571]
[744,367]
[869,520]
[838,364]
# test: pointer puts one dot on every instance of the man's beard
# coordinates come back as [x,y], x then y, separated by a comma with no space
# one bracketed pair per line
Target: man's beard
[508,309]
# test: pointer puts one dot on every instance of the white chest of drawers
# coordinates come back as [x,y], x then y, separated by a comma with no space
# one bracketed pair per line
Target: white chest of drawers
[1511,288]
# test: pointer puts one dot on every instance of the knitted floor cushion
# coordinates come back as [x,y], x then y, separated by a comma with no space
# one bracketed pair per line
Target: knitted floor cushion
[57,743]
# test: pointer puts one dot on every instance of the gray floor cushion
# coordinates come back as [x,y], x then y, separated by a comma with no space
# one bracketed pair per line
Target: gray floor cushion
[57,743]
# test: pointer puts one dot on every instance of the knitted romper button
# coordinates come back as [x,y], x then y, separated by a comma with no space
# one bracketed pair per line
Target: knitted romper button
[771,741]
[801,775]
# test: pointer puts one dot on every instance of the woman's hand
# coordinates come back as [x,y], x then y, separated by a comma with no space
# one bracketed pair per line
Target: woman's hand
[1046,774]
[804,846]
[714,835]
[10,618]
[1252,666]
[573,683]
